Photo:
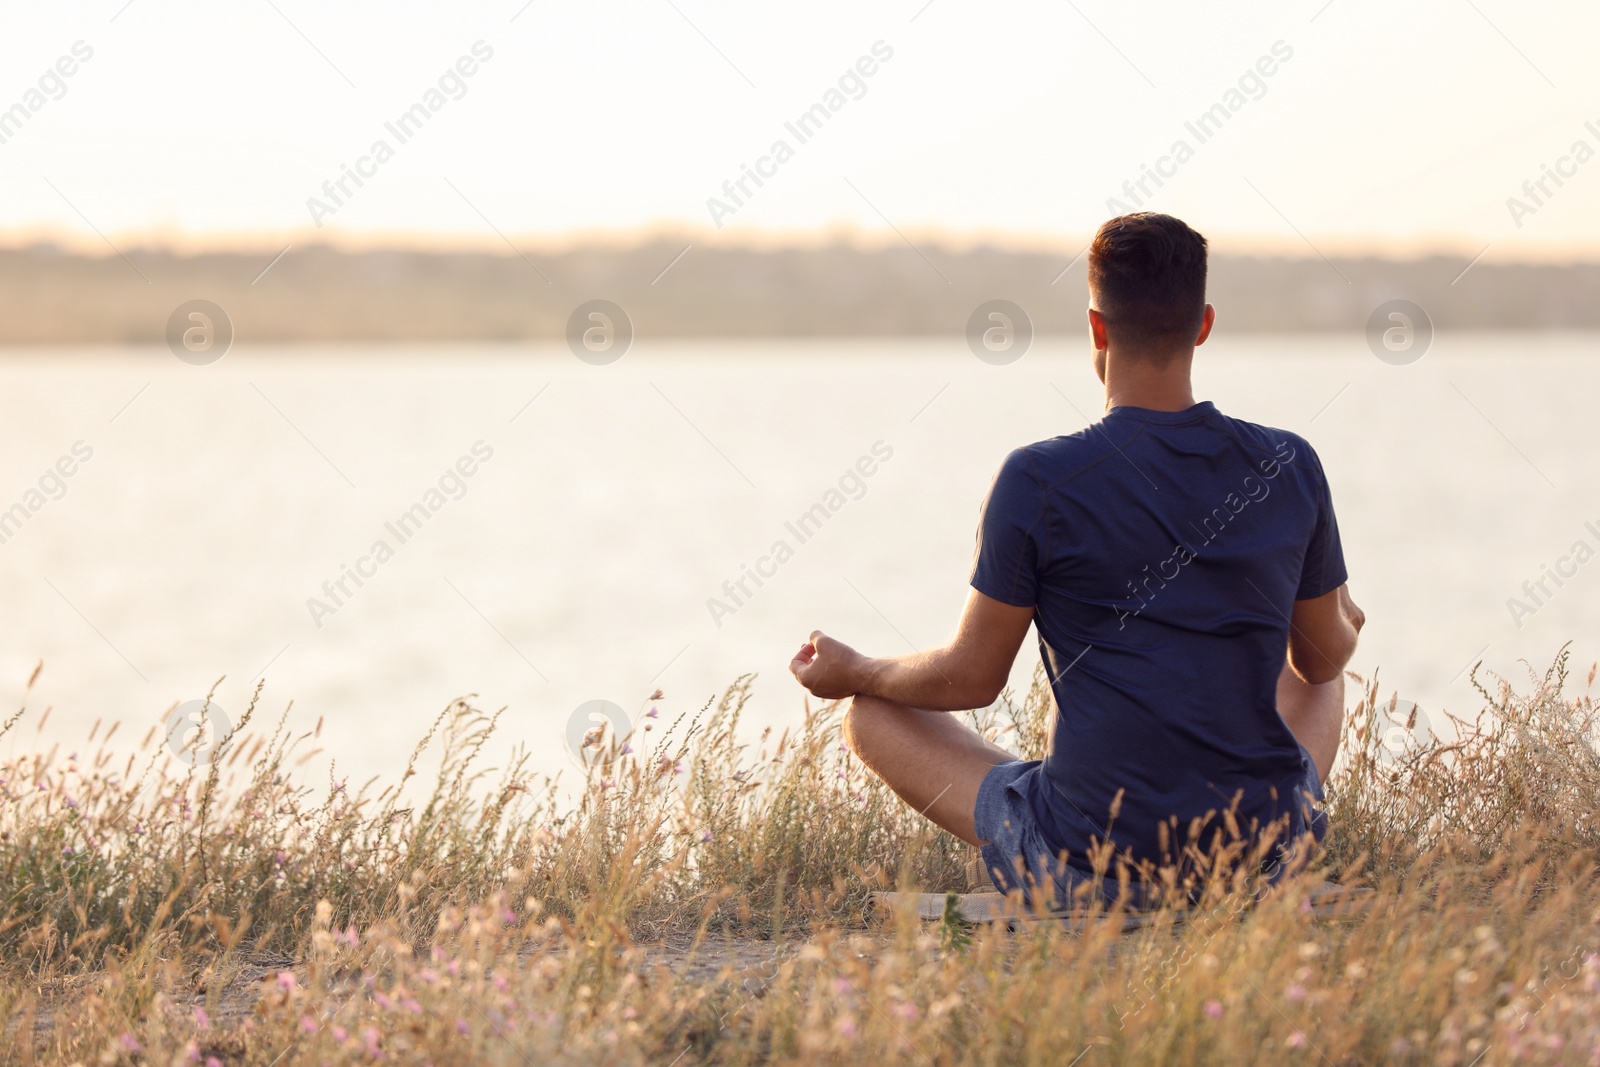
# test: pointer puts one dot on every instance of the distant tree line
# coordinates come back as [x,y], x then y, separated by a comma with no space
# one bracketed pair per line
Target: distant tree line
[320,293]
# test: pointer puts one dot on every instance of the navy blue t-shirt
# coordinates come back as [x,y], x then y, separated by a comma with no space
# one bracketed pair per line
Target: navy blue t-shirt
[1162,552]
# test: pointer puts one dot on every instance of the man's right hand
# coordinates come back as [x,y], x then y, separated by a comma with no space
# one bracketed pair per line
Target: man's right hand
[1357,617]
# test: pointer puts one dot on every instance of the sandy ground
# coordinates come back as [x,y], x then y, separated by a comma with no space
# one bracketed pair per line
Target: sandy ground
[743,961]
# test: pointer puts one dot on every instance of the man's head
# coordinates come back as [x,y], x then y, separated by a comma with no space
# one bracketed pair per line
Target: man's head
[1147,287]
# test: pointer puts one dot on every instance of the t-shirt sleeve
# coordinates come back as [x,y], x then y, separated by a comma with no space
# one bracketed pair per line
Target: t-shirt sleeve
[1323,570]
[1005,565]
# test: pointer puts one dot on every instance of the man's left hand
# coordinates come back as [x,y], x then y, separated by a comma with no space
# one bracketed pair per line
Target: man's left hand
[829,669]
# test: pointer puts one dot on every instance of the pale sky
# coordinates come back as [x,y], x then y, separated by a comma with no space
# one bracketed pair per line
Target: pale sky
[1387,126]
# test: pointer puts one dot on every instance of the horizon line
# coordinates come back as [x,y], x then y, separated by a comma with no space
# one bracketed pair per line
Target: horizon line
[255,242]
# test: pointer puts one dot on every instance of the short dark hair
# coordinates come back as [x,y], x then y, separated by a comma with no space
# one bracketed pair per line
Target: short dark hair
[1147,276]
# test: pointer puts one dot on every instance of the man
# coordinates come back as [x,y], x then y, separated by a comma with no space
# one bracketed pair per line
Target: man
[1184,572]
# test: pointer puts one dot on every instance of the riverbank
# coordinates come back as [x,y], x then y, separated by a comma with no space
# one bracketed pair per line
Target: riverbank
[706,900]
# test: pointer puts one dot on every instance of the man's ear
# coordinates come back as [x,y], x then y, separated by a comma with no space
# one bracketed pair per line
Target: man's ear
[1097,329]
[1206,322]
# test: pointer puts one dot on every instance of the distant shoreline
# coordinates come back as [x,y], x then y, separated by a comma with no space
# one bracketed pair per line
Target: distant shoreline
[319,293]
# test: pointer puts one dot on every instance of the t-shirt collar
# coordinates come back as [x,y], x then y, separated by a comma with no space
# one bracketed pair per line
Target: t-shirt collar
[1165,418]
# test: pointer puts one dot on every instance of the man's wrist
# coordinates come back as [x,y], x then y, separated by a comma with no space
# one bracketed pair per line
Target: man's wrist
[866,673]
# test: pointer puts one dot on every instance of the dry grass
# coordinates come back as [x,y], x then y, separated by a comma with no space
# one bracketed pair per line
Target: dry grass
[704,900]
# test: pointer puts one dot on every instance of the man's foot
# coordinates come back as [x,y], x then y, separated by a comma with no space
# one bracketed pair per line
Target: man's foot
[978,880]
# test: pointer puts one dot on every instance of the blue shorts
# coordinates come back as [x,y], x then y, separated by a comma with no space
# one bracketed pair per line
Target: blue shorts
[1003,817]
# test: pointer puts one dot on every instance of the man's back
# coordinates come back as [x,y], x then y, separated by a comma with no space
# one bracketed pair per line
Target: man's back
[1162,552]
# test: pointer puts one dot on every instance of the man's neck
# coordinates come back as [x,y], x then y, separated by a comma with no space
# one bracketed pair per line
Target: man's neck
[1142,383]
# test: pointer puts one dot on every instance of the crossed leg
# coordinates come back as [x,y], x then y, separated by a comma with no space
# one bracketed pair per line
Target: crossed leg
[931,760]
[935,763]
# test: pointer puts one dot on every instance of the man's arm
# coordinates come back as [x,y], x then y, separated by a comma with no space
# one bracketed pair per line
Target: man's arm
[1322,635]
[969,672]
[1314,714]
